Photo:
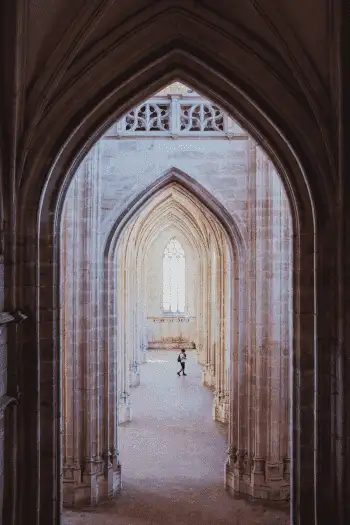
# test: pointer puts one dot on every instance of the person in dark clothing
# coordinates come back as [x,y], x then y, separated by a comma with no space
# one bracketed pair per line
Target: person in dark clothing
[182,360]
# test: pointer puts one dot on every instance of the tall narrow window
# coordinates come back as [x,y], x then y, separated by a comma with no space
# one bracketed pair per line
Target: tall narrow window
[174,268]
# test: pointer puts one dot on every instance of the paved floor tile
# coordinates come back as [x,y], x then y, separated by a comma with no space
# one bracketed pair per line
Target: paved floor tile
[173,456]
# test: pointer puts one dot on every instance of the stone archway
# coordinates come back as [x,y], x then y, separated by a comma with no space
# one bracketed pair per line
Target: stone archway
[38,226]
[174,199]
[91,466]
[239,448]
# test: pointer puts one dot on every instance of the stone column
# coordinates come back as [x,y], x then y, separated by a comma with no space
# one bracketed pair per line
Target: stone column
[260,318]
[208,369]
[201,338]
[144,338]
[221,398]
[211,308]
[70,341]
[124,331]
[258,464]
[286,326]
[141,318]
[134,313]
[278,353]
[93,472]
[228,325]
[85,476]
[241,422]
[111,370]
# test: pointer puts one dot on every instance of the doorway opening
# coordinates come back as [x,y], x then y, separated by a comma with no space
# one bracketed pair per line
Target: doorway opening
[176,189]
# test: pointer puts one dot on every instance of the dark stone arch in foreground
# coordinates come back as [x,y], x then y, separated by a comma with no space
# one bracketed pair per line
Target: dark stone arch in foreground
[50,166]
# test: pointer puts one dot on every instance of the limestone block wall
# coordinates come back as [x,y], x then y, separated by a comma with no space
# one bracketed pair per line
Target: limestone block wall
[131,165]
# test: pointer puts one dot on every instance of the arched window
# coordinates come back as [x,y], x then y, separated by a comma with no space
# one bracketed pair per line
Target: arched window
[174,266]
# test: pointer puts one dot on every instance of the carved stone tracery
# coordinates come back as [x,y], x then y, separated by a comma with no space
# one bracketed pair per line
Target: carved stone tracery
[171,319]
[201,117]
[171,115]
[148,117]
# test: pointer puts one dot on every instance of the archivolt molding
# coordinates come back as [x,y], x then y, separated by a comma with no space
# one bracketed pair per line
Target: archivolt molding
[191,187]
[147,238]
[176,209]
[301,65]
[61,57]
[193,228]
[147,228]
[162,60]
[297,195]
[156,14]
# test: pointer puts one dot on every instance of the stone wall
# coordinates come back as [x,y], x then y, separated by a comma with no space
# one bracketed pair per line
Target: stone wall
[131,165]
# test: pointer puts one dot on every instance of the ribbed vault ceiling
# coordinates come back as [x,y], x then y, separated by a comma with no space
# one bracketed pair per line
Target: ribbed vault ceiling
[175,208]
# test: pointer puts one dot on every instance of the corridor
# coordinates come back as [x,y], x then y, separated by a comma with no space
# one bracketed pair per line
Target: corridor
[172,456]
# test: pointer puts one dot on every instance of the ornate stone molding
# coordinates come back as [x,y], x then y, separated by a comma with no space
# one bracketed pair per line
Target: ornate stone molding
[171,319]
[172,343]
[176,115]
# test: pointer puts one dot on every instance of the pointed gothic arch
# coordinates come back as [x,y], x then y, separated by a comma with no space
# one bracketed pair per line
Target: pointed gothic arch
[41,200]
[127,229]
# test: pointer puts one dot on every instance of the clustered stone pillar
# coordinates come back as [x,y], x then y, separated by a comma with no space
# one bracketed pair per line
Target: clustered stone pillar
[85,460]
[122,327]
[134,329]
[208,370]
[129,320]
[202,316]
[223,316]
[141,311]
[216,323]
[258,462]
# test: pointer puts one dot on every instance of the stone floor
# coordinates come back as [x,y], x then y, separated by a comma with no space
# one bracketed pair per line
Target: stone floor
[172,456]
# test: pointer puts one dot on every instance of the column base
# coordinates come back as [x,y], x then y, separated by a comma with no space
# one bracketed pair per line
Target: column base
[200,355]
[143,356]
[135,375]
[124,409]
[92,488]
[208,377]
[255,484]
[221,407]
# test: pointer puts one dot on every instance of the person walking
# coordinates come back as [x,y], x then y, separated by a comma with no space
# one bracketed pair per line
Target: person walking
[182,360]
